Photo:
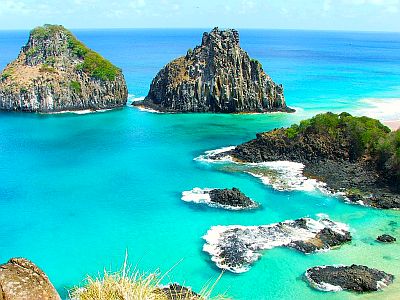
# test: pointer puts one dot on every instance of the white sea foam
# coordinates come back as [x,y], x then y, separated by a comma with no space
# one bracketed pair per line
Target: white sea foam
[323,286]
[134,98]
[281,175]
[146,109]
[236,247]
[202,196]
[77,112]
[208,155]
[197,195]
[285,176]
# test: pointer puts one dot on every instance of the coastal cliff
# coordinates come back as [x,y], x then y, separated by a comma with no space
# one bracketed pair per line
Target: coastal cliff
[56,72]
[217,76]
[357,156]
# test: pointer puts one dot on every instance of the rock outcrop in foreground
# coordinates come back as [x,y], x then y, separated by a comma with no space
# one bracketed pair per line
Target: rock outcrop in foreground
[235,248]
[56,72]
[175,291]
[357,156]
[352,278]
[217,76]
[20,279]
[231,199]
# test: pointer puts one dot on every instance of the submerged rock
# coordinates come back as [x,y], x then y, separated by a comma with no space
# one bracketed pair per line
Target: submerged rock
[217,76]
[177,292]
[56,72]
[353,278]
[386,238]
[235,248]
[232,199]
[20,279]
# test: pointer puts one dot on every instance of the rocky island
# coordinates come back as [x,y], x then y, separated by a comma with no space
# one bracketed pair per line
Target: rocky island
[231,199]
[56,72]
[352,278]
[217,76]
[235,248]
[356,156]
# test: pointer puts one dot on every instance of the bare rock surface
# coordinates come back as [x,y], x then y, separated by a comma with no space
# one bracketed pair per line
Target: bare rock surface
[21,279]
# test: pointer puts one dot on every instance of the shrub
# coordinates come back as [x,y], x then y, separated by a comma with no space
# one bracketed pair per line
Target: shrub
[92,63]
[98,67]
[75,87]
[46,68]
[5,75]
[31,51]
[46,31]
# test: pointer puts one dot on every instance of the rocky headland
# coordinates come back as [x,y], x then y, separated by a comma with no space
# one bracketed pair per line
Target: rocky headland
[357,156]
[56,72]
[217,76]
[235,248]
[352,278]
[231,199]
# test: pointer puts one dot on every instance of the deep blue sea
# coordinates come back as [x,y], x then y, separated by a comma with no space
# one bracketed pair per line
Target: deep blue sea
[77,191]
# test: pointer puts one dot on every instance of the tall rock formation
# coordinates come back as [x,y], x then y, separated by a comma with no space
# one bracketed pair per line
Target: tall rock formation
[56,72]
[217,76]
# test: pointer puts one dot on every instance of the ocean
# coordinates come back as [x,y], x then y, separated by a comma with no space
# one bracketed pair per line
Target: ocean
[78,191]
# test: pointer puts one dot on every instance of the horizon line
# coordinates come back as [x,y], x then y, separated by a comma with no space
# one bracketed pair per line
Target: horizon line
[205,28]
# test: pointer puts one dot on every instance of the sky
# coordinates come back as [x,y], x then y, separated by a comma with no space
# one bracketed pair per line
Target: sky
[354,15]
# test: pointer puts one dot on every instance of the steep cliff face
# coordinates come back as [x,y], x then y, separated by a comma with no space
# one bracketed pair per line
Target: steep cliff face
[56,72]
[217,76]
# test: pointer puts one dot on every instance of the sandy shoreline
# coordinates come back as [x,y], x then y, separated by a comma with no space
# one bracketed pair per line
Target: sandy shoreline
[394,125]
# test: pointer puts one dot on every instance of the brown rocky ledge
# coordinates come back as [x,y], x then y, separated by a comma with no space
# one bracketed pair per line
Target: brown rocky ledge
[20,279]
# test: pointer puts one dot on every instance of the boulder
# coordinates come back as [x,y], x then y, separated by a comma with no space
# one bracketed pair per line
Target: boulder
[21,279]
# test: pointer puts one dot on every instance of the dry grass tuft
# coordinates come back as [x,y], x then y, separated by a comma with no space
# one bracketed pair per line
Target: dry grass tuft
[134,285]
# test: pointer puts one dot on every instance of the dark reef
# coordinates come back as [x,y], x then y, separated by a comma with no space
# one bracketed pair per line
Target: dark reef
[353,278]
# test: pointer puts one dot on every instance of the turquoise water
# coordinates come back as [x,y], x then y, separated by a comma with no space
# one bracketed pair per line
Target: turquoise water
[77,191]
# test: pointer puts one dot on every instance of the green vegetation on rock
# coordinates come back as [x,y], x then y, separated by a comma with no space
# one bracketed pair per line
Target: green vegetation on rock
[98,67]
[47,68]
[367,137]
[5,75]
[364,132]
[75,87]
[92,63]
[46,31]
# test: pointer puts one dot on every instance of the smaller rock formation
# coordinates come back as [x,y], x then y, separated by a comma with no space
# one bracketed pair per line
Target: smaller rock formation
[231,199]
[352,278]
[236,247]
[56,72]
[386,238]
[217,76]
[355,156]
[177,292]
[20,279]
